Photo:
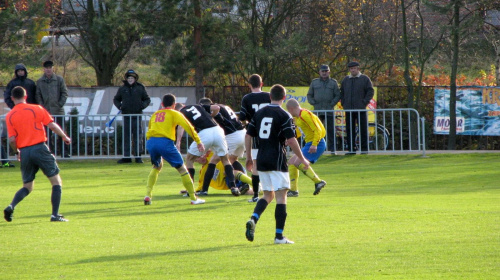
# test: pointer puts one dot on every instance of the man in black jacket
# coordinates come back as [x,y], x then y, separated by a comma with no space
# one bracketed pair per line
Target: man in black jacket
[356,91]
[21,79]
[131,98]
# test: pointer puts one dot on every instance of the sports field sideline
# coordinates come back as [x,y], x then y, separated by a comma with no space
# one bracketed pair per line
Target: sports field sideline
[379,217]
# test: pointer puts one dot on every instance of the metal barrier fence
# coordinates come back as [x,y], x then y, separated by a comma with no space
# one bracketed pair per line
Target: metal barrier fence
[389,130]
[94,137]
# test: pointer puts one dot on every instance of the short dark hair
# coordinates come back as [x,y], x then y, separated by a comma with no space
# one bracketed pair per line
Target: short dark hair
[168,100]
[205,101]
[255,81]
[18,92]
[277,92]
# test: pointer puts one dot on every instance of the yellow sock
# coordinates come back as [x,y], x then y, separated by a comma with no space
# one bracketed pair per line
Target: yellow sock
[294,178]
[309,173]
[153,176]
[243,177]
[188,184]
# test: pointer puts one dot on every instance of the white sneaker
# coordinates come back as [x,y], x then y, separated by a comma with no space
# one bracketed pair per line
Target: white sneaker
[283,241]
[253,199]
[197,201]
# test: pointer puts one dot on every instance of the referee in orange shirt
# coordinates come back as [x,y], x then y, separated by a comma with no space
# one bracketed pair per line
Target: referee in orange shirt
[26,128]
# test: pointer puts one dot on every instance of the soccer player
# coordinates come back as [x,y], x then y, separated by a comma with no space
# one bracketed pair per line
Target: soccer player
[250,104]
[212,137]
[160,144]
[218,180]
[235,138]
[26,128]
[314,133]
[273,127]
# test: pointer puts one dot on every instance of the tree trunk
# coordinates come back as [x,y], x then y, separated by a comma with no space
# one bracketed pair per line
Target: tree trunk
[455,37]
[406,57]
[198,71]
[497,65]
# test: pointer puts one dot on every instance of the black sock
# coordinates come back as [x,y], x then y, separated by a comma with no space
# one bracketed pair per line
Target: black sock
[20,195]
[191,173]
[255,185]
[280,216]
[56,199]
[259,209]
[229,175]
[237,166]
[209,174]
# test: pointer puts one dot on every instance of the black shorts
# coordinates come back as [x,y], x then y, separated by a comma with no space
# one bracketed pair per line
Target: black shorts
[37,157]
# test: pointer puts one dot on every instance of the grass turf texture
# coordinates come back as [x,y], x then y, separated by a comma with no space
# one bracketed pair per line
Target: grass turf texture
[387,217]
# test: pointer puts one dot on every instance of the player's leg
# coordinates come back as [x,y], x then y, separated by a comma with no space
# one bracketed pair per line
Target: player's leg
[8,212]
[229,171]
[209,173]
[280,215]
[41,157]
[255,177]
[28,171]
[188,184]
[294,177]
[193,153]
[56,198]
[312,158]
[260,207]
[281,184]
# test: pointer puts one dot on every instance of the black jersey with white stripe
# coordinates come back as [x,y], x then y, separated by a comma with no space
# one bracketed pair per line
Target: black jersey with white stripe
[198,117]
[272,125]
[228,120]
[251,103]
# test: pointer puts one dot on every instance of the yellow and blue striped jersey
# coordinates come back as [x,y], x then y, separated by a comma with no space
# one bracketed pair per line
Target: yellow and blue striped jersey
[163,123]
[311,126]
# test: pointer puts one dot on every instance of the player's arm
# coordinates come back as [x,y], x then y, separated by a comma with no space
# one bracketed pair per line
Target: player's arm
[184,123]
[179,134]
[294,145]
[313,123]
[214,110]
[57,130]
[13,145]
[248,148]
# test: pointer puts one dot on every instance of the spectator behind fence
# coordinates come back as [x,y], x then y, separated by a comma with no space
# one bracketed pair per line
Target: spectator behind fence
[51,93]
[132,98]
[324,94]
[356,91]
[20,79]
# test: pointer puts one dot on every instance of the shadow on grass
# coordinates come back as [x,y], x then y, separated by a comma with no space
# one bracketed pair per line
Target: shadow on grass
[141,256]
[141,210]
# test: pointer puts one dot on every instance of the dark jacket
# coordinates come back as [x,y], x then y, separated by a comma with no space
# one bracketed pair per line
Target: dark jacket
[356,92]
[24,82]
[323,94]
[52,93]
[131,99]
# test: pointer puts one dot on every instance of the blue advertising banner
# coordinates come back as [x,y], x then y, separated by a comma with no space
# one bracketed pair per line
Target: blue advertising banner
[478,111]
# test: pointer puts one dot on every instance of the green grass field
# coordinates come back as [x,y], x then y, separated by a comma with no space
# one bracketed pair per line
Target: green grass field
[380,217]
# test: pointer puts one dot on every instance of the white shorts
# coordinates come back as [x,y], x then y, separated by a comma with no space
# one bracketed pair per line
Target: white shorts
[236,142]
[212,138]
[254,153]
[274,180]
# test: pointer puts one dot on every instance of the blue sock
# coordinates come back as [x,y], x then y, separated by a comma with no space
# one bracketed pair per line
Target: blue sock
[280,216]
[259,209]
[20,195]
[56,199]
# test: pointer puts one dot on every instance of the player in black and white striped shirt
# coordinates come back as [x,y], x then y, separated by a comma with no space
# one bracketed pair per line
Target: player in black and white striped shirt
[250,104]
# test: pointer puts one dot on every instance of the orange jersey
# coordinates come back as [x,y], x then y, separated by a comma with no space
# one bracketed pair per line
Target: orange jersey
[27,123]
